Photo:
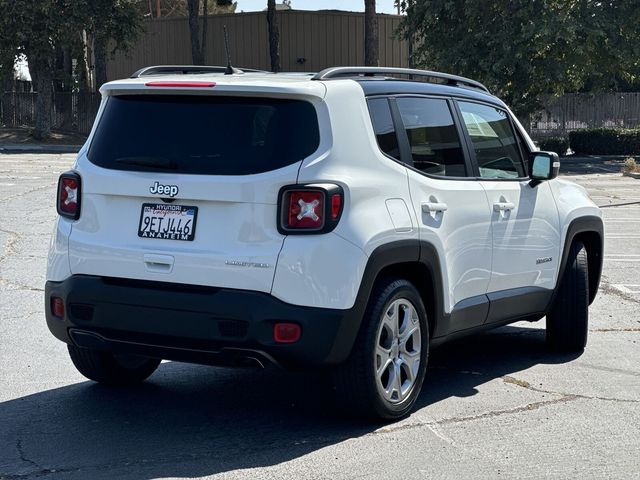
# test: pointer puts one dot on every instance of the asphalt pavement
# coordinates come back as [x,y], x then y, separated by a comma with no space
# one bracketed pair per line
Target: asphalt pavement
[496,405]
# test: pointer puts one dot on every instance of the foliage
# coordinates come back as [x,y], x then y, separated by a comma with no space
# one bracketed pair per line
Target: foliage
[179,8]
[524,49]
[560,145]
[29,26]
[612,31]
[43,29]
[118,21]
[37,27]
[606,141]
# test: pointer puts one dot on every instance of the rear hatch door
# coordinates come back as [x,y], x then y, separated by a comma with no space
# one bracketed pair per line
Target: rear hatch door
[183,187]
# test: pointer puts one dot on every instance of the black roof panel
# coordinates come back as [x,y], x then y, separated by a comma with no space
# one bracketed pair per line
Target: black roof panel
[373,86]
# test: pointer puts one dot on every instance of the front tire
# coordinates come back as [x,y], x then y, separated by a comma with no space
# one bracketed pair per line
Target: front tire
[384,373]
[568,320]
[110,369]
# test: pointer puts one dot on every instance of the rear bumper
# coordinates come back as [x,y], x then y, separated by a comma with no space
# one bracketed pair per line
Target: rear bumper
[195,324]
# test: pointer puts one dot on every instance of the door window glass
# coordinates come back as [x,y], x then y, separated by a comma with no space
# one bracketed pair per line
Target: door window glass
[383,127]
[435,144]
[495,145]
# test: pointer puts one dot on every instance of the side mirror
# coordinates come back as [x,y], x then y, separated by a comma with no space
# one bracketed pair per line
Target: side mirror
[543,166]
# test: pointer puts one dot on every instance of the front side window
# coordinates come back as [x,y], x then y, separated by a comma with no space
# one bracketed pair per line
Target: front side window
[383,127]
[494,142]
[433,137]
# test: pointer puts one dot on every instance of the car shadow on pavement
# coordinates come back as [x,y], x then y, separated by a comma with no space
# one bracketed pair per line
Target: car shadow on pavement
[190,421]
[457,368]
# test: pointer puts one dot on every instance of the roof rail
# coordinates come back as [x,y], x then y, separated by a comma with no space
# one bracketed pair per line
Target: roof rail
[185,70]
[345,72]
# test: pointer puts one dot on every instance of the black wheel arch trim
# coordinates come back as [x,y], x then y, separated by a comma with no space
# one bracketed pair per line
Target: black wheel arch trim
[389,255]
[589,225]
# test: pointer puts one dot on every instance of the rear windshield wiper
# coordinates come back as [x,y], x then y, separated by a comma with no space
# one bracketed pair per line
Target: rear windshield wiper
[151,162]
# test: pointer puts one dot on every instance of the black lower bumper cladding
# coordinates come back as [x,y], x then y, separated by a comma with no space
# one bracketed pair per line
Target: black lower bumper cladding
[195,323]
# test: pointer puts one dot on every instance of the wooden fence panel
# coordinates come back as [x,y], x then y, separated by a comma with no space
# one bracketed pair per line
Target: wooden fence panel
[575,111]
[309,41]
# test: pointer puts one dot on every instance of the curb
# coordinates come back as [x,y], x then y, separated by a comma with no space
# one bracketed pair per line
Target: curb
[31,148]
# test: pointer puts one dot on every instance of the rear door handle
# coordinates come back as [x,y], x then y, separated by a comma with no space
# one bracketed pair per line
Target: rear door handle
[503,206]
[429,207]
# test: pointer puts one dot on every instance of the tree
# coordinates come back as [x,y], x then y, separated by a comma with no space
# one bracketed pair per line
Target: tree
[7,62]
[522,49]
[180,8]
[33,28]
[112,24]
[613,31]
[274,35]
[198,47]
[199,44]
[370,34]
[47,30]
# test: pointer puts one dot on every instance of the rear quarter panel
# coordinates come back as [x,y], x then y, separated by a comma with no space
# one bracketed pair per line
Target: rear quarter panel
[376,195]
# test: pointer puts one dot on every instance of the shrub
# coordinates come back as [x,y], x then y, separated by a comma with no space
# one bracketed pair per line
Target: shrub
[630,166]
[606,141]
[560,145]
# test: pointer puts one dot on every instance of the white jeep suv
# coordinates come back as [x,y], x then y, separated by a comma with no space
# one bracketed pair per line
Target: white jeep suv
[349,219]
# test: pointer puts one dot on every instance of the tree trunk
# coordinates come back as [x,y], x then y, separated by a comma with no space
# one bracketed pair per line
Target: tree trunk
[196,49]
[43,69]
[274,35]
[100,54]
[370,34]
[203,45]
[6,76]
[410,33]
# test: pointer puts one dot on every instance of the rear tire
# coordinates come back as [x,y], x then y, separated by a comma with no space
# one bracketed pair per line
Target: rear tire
[384,373]
[568,320]
[110,369]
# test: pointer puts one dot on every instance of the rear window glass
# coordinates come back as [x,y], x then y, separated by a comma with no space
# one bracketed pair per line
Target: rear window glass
[203,134]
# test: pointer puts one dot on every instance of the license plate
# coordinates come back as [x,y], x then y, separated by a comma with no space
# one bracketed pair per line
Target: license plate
[168,222]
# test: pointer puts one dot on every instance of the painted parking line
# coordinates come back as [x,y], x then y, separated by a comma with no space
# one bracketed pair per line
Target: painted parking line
[626,288]
[622,257]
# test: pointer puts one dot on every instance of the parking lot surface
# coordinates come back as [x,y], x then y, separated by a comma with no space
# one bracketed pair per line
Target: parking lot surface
[496,405]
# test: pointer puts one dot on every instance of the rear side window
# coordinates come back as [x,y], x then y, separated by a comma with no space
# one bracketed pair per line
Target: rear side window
[433,137]
[497,151]
[383,127]
[203,134]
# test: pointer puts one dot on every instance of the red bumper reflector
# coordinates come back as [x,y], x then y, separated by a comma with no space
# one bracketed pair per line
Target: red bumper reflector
[181,84]
[286,332]
[57,307]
